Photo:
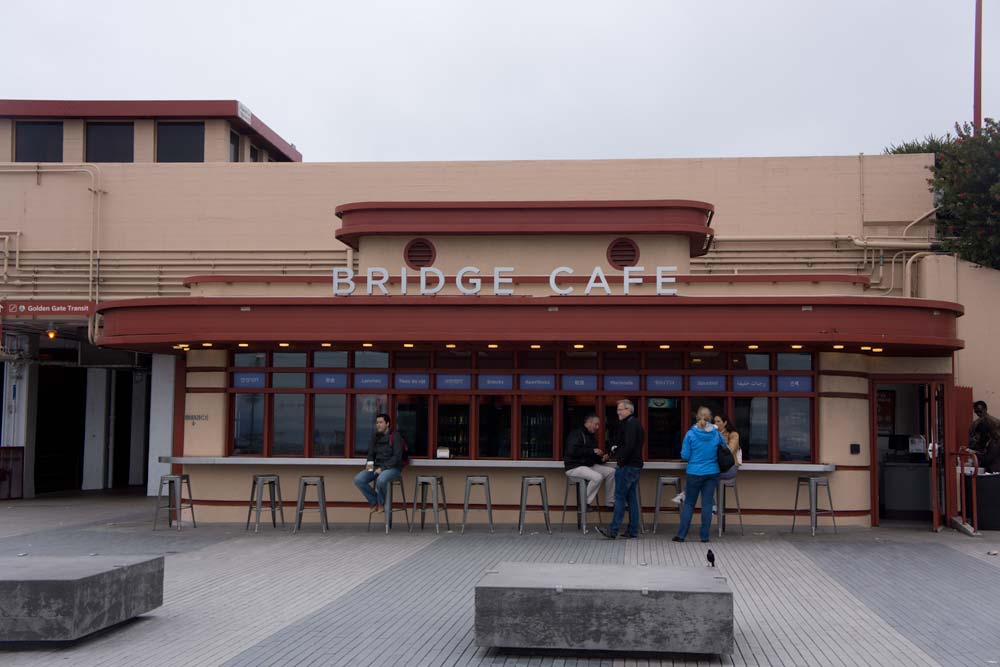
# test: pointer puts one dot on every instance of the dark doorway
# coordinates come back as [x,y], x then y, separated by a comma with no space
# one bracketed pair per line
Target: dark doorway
[62,405]
[124,386]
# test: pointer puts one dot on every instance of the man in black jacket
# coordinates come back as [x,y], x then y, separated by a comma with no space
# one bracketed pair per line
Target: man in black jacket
[628,454]
[385,463]
[583,459]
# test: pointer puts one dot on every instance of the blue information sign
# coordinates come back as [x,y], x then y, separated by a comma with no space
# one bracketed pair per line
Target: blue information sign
[538,382]
[330,380]
[248,380]
[751,383]
[621,382]
[456,382]
[579,382]
[664,383]
[371,381]
[496,382]
[795,383]
[413,381]
[708,383]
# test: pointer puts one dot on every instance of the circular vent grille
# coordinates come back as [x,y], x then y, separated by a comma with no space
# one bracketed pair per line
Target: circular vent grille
[623,252]
[419,253]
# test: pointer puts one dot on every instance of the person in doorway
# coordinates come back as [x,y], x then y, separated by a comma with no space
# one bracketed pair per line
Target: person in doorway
[984,438]
[628,454]
[385,463]
[584,459]
[700,450]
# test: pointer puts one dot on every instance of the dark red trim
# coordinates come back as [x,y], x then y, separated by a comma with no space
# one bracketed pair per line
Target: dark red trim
[842,394]
[180,389]
[207,369]
[158,109]
[846,374]
[206,390]
[477,218]
[853,468]
[563,278]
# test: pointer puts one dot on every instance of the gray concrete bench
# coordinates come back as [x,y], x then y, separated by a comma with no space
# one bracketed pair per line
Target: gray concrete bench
[605,608]
[47,599]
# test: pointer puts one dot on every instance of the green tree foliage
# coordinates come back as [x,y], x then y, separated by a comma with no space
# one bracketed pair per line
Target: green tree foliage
[966,185]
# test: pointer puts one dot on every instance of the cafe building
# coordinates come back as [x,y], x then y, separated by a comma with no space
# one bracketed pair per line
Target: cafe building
[489,307]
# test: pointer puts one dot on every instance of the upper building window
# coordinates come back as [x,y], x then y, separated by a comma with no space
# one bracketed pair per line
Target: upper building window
[110,142]
[180,142]
[40,141]
[234,147]
[254,154]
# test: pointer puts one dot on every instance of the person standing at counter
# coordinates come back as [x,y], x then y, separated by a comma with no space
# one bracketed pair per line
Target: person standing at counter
[984,438]
[584,459]
[385,463]
[628,454]
[700,449]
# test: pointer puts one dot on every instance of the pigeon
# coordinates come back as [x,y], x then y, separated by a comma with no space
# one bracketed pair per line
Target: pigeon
[711,558]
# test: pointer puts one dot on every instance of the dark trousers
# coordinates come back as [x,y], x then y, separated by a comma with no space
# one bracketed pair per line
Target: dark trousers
[626,492]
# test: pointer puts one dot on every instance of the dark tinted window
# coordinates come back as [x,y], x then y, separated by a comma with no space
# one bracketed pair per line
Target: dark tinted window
[254,154]
[180,142]
[38,142]
[110,142]
[234,147]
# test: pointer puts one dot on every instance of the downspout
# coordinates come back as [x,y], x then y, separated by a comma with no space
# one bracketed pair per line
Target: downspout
[96,189]
[907,272]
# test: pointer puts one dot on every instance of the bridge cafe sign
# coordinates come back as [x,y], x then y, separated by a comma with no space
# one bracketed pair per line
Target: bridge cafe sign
[498,282]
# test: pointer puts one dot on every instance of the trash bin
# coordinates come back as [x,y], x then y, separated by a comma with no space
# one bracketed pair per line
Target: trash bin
[987,500]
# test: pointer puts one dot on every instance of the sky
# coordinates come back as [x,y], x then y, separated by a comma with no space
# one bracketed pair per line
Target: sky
[369,80]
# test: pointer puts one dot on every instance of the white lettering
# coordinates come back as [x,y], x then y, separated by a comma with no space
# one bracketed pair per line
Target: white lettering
[343,281]
[476,283]
[402,280]
[597,276]
[380,282]
[663,279]
[552,280]
[499,280]
[430,270]
[629,279]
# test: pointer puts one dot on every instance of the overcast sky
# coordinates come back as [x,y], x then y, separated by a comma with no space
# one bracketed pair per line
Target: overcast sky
[366,80]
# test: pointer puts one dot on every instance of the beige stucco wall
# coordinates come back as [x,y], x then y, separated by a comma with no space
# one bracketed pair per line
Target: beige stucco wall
[73,140]
[6,140]
[977,288]
[144,141]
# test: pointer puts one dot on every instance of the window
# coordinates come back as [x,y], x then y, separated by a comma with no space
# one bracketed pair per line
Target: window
[666,430]
[250,359]
[411,422]
[794,361]
[494,426]
[537,428]
[254,154]
[707,360]
[329,424]
[288,437]
[330,359]
[752,362]
[248,424]
[234,147]
[367,359]
[110,142]
[180,142]
[750,420]
[366,408]
[453,425]
[38,141]
[794,429]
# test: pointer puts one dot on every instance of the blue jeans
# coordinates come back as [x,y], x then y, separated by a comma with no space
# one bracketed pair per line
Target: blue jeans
[626,492]
[705,486]
[363,480]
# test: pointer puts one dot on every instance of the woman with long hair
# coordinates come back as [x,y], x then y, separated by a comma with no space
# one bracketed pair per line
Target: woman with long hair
[732,439]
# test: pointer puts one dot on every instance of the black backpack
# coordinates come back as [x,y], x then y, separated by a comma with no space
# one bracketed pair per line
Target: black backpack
[725,458]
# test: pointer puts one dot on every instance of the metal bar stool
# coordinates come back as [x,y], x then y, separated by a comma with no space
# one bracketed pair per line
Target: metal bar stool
[388,504]
[581,503]
[661,482]
[433,482]
[814,483]
[527,481]
[174,484]
[273,484]
[470,481]
[304,483]
[729,484]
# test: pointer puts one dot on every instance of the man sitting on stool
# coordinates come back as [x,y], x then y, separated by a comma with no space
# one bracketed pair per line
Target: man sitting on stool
[583,459]
[385,463]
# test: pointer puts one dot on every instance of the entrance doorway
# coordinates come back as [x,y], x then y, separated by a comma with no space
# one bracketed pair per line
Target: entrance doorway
[910,442]
[59,436]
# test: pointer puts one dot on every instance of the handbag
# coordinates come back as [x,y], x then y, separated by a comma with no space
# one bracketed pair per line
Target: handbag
[725,458]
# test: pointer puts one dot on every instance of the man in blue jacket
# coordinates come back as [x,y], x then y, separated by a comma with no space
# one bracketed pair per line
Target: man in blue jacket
[701,450]
[628,454]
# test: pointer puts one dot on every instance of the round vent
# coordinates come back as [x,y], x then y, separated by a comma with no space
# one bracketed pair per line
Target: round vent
[623,252]
[419,253]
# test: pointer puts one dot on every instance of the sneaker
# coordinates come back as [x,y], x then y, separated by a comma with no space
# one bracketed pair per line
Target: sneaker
[629,537]
[715,509]
[678,499]
[675,538]
[605,532]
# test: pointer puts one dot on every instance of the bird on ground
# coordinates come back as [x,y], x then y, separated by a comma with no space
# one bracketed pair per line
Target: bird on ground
[711,558]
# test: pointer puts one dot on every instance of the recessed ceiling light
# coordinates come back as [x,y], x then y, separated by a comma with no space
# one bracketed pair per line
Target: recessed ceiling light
[536,347]
[709,347]
[876,349]
[366,344]
[206,345]
[753,347]
[493,346]
[622,347]
[838,347]
[450,346]
[244,344]
[696,361]
[664,347]
[866,348]
[796,347]
[326,344]
[407,345]
[578,346]
[283,344]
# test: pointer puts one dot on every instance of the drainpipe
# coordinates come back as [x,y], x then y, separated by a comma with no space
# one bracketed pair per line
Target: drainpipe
[907,272]
[93,289]
[919,220]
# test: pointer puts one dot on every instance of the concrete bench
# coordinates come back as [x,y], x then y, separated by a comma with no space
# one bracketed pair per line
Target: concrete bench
[605,608]
[48,599]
